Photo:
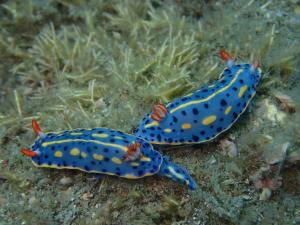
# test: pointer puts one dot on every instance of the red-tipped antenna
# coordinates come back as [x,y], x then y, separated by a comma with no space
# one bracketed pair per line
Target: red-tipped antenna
[36,127]
[28,152]
[254,66]
[225,55]
[227,58]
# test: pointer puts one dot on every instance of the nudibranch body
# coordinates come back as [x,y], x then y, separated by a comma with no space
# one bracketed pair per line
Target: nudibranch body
[104,151]
[205,113]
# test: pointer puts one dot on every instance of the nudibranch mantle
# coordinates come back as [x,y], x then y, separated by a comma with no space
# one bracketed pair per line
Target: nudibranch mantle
[97,150]
[104,151]
[205,113]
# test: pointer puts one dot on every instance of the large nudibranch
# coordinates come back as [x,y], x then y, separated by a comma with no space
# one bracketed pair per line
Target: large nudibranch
[205,113]
[102,151]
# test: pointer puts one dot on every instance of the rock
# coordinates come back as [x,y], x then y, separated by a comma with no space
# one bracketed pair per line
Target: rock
[285,102]
[66,181]
[33,201]
[269,111]
[277,155]
[87,196]
[293,156]
[229,147]
[265,194]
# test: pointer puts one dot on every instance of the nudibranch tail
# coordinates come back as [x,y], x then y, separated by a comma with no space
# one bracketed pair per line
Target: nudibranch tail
[28,152]
[176,173]
[159,112]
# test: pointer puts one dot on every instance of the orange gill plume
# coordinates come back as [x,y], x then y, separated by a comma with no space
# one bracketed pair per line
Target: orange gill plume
[134,152]
[159,112]
[28,152]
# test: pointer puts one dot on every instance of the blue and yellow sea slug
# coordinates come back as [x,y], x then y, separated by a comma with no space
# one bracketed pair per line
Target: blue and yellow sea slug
[205,113]
[102,151]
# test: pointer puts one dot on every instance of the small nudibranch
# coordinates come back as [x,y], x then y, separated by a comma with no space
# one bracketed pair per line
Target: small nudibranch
[102,151]
[205,113]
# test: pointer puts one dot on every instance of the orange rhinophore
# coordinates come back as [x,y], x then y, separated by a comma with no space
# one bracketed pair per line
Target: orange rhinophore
[255,64]
[159,112]
[36,127]
[28,152]
[225,55]
[134,152]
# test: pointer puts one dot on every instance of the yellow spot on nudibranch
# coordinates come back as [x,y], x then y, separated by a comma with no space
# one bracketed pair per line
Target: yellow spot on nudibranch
[187,182]
[178,175]
[208,120]
[145,159]
[134,164]
[74,151]
[83,154]
[116,160]
[167,130]
[98,156]
[103,135]
[186,126]
[58,154]
[242,90]
[228,109]
[153,124]
[118,137]
[130,176]
[76,133]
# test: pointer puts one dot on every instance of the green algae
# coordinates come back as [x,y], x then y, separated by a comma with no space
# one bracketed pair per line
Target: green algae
[105,63]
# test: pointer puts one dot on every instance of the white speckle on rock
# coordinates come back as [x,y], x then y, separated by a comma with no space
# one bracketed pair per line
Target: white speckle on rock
[265,194]
[229,147]
[66,181]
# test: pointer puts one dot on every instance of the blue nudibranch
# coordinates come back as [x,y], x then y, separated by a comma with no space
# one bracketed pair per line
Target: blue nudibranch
[205,113]
[104,151]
